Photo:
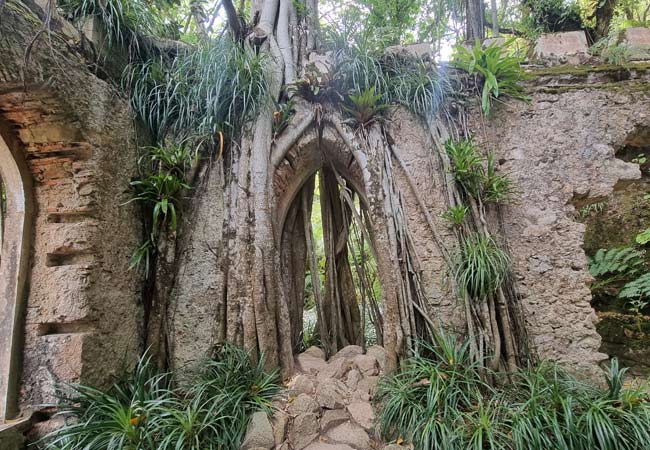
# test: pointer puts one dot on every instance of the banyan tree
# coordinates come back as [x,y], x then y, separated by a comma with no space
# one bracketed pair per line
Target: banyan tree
[248,127]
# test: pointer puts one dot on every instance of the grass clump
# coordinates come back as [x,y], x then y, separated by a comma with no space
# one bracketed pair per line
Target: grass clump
[482,265]
[148,412]
[439,400]
[126,23]
[203,91]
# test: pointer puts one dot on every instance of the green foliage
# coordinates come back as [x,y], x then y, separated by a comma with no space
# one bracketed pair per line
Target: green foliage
[158,191]
[438,400]
[282,116]
[482,266]
[544,16]
[364,107]
[361,63]
[146,412]
[616,261]
[477,175]
[499,71]
[615,54]
[592,208]
[456,214]
[637,289]
[643,237]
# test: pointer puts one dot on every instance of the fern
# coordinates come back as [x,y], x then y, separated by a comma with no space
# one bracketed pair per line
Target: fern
[624,261]
[639,288]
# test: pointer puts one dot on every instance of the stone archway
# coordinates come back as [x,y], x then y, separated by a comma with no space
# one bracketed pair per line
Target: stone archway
[340,318]
[13,272]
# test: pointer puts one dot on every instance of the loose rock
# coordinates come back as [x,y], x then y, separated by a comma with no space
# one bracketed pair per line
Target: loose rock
[259,433]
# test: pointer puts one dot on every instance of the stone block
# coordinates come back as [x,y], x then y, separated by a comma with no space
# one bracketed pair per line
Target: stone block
[637,42]
[570,47]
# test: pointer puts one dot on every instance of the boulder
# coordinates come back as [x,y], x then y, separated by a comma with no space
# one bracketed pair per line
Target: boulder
[279,423]
[332,418]
[336,368]
[310,364]
[331,394]
[302,404]
[326,446]
[348,352]
[303,430]
[363,414]
[350,434]
[259,433]
[315,352]
[367,364]
[369,385]
[301,384]
[421,50]
[353,378]
[380,355]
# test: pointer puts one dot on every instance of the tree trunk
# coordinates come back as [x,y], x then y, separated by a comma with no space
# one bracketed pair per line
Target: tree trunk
[474,20]
[604,14]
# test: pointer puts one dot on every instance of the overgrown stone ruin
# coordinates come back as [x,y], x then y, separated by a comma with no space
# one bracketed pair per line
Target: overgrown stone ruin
[72,312]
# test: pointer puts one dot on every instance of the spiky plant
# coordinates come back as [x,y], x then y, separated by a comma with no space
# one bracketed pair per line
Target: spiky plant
[124,417]
[364,108]
[482,265]
[214,88]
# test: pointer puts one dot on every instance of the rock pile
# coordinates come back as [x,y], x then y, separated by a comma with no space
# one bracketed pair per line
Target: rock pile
[327,405]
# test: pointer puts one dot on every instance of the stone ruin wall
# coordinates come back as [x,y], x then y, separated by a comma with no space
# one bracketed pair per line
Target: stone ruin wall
[83,317]
[560,150]
[74,131]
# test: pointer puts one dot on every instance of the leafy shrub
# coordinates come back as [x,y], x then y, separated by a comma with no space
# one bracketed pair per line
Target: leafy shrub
[482,266]
[438,400]
[146,412]
[498,70]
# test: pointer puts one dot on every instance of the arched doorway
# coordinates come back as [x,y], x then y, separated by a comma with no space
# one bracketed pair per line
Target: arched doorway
[330,277]
[13,270]
[329,267]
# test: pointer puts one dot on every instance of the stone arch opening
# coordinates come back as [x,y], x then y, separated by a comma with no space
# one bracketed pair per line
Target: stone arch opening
[612,224]
[14,257]
[327,249]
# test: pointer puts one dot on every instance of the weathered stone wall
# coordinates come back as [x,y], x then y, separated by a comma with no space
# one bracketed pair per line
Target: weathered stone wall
[560,149]
[78,139]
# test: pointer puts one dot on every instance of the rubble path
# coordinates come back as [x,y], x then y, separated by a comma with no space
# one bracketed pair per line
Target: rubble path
[327,405]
